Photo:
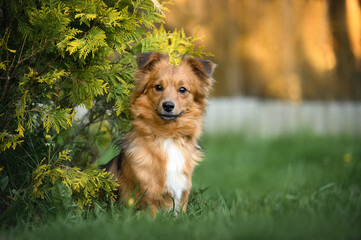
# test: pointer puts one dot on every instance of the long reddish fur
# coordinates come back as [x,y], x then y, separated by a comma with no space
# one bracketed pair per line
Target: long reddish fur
[144,163]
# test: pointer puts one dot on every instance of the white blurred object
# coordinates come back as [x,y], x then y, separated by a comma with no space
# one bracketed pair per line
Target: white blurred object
[252,116]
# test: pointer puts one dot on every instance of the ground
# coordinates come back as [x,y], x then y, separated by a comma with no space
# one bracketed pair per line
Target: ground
[299,186]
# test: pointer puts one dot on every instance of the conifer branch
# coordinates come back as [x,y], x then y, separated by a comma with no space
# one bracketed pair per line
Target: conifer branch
[49,65]
[136,9]
[79,130]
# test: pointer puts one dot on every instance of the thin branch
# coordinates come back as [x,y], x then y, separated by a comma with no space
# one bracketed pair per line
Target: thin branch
[67,167]
[41,51]
[140,4]
[71,138]
[35,52]
[100,126]
[37,110]
[8,78]
[22,48]
[59,90]
[49,65]
[7,82]
[21,53]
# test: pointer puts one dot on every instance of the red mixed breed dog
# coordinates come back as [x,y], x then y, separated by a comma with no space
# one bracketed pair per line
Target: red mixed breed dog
[159,154]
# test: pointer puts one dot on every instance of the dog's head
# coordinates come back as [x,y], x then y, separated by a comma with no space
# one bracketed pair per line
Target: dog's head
[172,91]
[170,100]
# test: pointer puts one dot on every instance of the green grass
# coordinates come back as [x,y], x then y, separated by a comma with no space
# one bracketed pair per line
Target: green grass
[292,187]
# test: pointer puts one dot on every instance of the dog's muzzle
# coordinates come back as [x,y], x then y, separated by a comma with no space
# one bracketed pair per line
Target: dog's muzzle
[167,111]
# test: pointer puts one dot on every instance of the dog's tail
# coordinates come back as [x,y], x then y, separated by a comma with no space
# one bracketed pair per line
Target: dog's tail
[114,165]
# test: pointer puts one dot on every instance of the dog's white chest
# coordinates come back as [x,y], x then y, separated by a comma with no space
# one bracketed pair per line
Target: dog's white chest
[176,181]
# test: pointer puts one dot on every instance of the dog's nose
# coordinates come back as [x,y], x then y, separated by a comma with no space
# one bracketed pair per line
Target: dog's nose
[168,106]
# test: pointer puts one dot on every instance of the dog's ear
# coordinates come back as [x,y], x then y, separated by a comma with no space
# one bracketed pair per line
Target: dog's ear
[146,61]
[203,68]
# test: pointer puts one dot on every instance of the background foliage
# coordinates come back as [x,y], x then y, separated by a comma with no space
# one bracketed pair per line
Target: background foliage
[55,57]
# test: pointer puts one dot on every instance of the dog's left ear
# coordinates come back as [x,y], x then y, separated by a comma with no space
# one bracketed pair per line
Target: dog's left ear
[203,68]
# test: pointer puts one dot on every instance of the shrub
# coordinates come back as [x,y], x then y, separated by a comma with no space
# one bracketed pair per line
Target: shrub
[57,56]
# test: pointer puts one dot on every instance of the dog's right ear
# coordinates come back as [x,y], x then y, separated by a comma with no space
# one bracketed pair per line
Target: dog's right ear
[146,61]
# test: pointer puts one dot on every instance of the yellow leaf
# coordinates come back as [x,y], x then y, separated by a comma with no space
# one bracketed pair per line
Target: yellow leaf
[59,170]
[12,51]
[2,66]
[20,130]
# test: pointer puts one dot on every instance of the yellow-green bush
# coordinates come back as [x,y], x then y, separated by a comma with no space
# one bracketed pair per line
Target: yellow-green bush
[86,186]
[54,57]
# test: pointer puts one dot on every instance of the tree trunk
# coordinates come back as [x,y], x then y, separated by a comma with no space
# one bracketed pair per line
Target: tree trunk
[348,76]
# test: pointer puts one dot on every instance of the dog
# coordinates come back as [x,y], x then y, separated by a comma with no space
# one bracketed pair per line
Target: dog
[159,154]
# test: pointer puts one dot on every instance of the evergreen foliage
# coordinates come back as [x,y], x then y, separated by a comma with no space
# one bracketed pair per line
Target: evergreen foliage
[85,186]
[57,56]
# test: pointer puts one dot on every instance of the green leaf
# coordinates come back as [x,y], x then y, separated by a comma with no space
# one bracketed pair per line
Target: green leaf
[4,180]
[61,197]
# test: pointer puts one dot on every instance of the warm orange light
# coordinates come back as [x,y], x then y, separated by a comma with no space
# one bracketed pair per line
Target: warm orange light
[317,37]
[280,48]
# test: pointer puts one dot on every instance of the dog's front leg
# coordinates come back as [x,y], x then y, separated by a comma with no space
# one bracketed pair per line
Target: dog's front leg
[185,200]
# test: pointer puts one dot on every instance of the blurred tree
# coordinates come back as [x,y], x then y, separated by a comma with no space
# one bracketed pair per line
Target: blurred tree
[277,48]
[347,73]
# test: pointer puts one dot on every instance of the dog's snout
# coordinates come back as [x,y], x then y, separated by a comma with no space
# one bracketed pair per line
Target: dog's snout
[168,106]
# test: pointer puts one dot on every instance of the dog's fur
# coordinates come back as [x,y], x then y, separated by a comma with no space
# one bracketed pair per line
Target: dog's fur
[160,152]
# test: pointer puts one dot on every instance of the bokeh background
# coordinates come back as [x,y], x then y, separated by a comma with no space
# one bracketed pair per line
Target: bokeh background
[300,59]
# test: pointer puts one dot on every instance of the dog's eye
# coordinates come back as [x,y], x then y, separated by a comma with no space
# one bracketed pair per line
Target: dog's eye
[182,90]
[158,88]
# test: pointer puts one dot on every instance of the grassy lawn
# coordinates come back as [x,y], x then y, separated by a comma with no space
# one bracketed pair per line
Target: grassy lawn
[293,187]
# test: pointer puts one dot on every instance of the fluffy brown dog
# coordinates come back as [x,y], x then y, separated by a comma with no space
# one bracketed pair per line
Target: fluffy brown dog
[160,152]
